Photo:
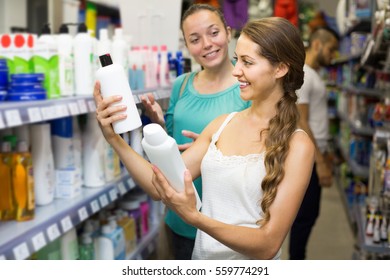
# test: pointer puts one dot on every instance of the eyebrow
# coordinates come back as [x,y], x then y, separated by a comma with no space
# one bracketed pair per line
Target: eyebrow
[209,27]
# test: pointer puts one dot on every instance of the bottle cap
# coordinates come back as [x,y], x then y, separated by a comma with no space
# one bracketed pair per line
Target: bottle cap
[64,29]
[45,29]
[154,134]
[82,28]
[105,59]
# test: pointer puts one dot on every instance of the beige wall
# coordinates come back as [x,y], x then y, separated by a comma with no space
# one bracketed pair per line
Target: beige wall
[12,13]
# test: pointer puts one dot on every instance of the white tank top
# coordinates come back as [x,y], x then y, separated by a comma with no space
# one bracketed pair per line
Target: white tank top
[231,194]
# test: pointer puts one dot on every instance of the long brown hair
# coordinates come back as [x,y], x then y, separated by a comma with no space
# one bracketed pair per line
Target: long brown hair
[279,41]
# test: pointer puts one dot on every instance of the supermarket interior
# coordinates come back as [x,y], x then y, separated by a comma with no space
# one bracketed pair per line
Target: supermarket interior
[65,194]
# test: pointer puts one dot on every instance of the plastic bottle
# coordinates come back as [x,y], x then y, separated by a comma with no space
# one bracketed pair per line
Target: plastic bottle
[77,150]
[45,61]
[65,57]
[172,68]
[118,238]
[103,245]
[179,63]
[132,207]
[86,247]
[51,251]
[164,67]
[69,245]
[113,81]
[22,133]
[155,71]
[23,182]
[383,229]
[83,60]
[104,44]
[43,162]
[62,138]
[93,154]
[162,151]
[7,202]
[3,78]
[120,49]
[128,226]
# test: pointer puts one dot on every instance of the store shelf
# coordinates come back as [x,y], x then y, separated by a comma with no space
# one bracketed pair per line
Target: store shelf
[361,130]
[366,243]
[345,58]
[18,113]
[18,240]
[358,170]
[147,245]
[364,91]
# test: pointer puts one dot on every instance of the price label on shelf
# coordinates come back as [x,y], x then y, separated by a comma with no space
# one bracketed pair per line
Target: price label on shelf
[53,232]
[62,110]
[34,114]
[113,194]
[82,106]
[91,106]
[48,113]
[66,224]
[95,206]
[2,125]
[103,200]
[73,108]
[38,241]
[131,183]
[13,117]
[121,188]
[83,214]
[21,252]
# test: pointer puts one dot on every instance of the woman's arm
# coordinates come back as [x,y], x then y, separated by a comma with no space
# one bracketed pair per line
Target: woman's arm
[257,243]
[139,168]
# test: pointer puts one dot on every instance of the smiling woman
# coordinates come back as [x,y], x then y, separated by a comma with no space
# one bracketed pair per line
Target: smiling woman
[249,160]
[197,98]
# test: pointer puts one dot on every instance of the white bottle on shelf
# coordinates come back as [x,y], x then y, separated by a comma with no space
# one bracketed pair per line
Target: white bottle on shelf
[83,64]
[93,154]
[104,44]
[113,81]
[43,162]
[162,151]
[103,245]
[69,245]
[120,49]
[65,60]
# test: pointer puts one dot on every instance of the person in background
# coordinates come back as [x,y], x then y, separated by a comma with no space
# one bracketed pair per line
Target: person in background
[197,98]
[313,109]
[249,160]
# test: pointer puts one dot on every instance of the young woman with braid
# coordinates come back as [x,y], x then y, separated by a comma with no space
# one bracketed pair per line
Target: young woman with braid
[255,164]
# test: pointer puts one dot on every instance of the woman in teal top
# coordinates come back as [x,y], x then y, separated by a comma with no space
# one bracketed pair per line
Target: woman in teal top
[198,98]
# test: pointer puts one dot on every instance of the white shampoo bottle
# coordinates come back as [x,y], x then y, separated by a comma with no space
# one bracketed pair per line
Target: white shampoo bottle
[163,152]
[113,81]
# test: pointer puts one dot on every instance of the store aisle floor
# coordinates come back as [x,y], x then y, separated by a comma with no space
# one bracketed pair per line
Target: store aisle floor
[332,237]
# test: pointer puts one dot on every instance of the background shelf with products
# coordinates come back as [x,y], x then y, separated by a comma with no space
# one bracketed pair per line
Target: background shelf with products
[19,240]
[18,113]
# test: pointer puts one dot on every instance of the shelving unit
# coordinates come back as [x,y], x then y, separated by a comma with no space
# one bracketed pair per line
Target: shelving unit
[18,240]
[18,113]
[365,243]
